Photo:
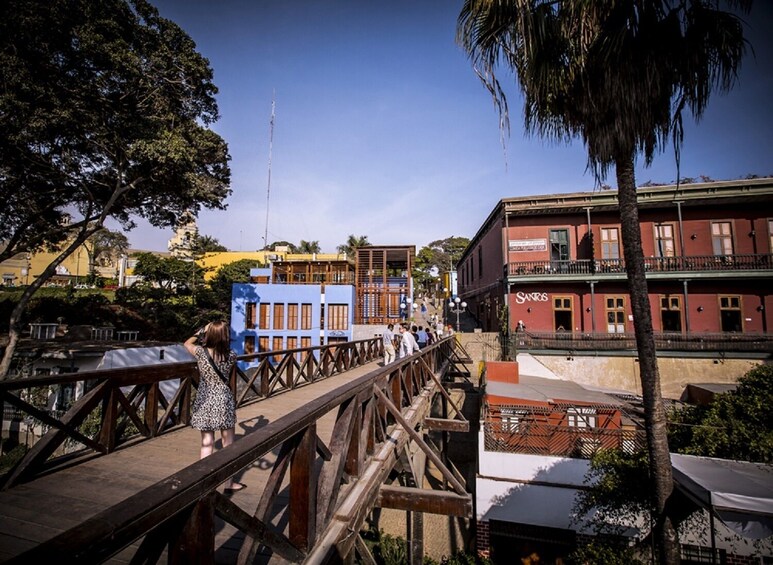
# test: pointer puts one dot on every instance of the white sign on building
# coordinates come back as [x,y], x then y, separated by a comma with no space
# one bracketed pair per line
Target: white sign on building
[520,245]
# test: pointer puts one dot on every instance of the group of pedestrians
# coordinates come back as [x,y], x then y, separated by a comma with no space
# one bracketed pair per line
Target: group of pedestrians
[410,339]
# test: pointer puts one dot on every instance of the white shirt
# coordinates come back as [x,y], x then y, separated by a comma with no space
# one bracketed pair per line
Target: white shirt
[408,345]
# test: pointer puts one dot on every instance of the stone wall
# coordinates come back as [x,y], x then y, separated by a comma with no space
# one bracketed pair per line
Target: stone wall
[622,373]
[619,372]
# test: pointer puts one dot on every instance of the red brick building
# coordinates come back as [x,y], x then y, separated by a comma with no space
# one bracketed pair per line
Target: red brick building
[557,261]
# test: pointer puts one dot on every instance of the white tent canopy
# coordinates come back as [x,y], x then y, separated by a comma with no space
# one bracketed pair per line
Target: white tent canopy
[739,493]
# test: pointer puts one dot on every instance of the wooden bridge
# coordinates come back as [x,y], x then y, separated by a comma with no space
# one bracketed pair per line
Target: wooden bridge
[322,434]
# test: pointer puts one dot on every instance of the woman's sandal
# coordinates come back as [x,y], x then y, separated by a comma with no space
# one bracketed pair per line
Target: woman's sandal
[235,488]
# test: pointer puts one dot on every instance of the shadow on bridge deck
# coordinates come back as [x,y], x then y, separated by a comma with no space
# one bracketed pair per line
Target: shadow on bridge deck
[33,512]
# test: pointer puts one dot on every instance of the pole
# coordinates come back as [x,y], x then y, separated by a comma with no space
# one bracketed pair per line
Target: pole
[270,151]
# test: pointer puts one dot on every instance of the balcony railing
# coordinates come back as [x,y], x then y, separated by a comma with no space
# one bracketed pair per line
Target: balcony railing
[696,263]
[543,439]
[664,341]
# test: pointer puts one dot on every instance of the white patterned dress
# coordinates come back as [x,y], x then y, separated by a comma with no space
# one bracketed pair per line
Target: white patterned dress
[214,408]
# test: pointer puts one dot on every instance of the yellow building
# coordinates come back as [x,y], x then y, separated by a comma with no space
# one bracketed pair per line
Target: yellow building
[23,268]
[212,262]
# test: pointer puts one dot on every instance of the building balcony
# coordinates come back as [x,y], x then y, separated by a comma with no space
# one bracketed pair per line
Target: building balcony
[664,341]
[655,266]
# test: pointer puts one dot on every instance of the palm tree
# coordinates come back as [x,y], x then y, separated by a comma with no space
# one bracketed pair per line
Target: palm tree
[618,75]
[309,247]
[352,243]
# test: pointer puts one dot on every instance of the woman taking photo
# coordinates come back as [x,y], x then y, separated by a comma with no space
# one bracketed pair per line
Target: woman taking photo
[214,408]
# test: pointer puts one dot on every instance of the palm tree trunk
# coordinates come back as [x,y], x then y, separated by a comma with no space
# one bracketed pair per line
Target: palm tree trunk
[654,413]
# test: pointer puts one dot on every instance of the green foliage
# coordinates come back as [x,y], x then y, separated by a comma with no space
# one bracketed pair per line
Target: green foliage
[615,499]
[599,552]
[309,247]
[103,247]
[459,557]
[10,459]
[207,244]
[392,550]
[168,272]
[737,425]
[352,243]
[440,256]
[67,67]
[227,275]
[290,246]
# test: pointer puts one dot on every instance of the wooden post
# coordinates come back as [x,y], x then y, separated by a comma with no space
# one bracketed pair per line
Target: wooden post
[109,417]
[151,408]
[303,491]
[195,543]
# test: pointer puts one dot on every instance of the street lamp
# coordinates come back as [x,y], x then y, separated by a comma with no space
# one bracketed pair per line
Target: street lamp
[456,306]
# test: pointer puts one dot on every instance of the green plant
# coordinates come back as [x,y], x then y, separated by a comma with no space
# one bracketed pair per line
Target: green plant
[599,552]
[8,460]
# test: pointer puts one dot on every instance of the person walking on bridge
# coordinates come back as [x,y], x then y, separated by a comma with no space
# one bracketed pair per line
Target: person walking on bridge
[215,407]
[408,344]
[388,338]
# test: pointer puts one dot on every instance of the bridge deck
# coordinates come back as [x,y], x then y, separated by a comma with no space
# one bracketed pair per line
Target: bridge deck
[34,512]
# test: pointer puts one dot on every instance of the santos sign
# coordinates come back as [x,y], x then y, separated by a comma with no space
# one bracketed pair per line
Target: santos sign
[521,297]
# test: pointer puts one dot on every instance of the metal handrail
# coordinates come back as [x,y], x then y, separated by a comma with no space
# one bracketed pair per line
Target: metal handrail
[693,263]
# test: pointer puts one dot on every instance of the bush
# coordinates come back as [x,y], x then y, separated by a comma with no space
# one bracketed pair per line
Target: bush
[10,459]
[600,553]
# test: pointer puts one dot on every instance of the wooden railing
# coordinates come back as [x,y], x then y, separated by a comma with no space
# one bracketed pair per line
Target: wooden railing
[664,341]
[331,487]
[117,399]
[698,263]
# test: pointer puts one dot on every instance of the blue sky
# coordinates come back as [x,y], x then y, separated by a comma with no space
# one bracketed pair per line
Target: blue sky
[382,129]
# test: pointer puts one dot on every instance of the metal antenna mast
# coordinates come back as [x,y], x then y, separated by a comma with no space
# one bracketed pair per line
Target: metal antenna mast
[270,150]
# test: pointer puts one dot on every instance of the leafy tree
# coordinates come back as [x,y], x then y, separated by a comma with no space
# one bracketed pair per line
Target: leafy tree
[618,75]
[603,552]
[207,244]
[438,256]
[309,247]
[290,246]
[104,246]
[352,243]
[169,273]
[612,501]
[441,255]
[737,425]
[228,275]
[105,113]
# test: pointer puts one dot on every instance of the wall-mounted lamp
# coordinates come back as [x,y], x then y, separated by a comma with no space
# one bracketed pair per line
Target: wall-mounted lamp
[528,310]
[700,308]
[760,308]
[587,309]
[694,236]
